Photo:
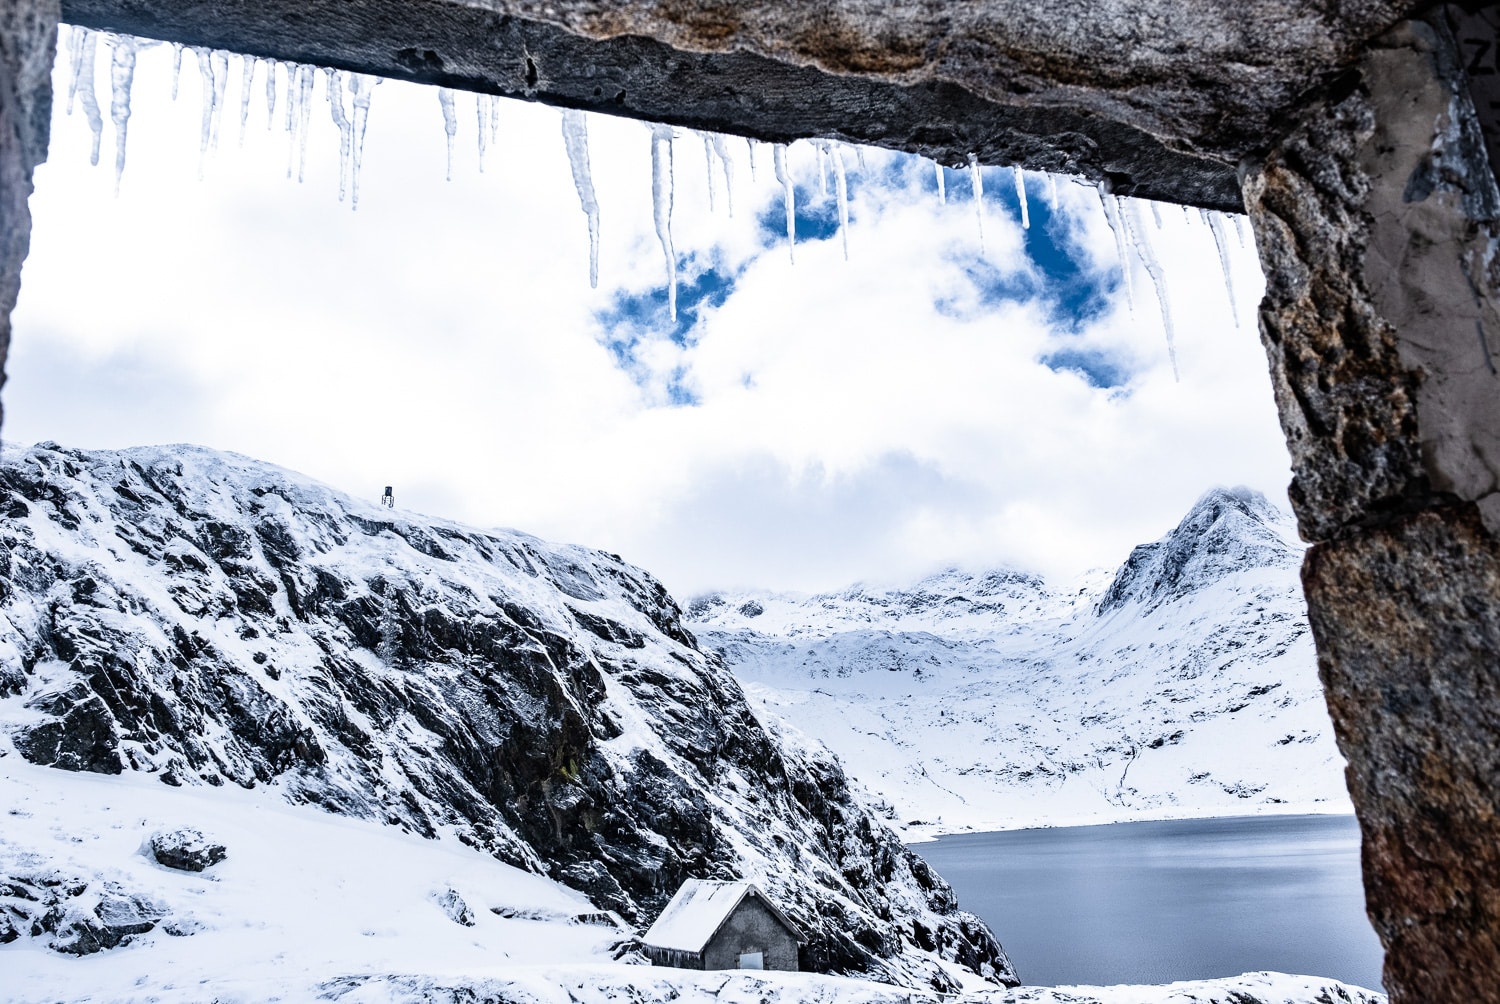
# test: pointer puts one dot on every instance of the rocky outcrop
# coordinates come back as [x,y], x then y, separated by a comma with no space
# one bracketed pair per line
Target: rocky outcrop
[1377,223]
[216,621]
[72,915]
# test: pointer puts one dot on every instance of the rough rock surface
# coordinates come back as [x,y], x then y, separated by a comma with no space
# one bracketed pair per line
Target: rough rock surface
[1377,224]
[72,915]
[221,620]
[1156,98]
[186,849]
[28,37]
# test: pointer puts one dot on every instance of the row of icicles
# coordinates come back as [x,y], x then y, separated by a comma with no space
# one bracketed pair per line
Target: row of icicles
[348,97]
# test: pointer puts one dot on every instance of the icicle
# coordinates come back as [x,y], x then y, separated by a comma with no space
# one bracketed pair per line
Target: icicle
[86,93]
[942,191]
[576,139]
[206,122]
[494,119]
[1156,212]
[270,93]
[721,150]
[1239,227]
[859,159]
[976,178]
[788,196]
[750,145]
[841,190]
[450,123]
[661,207]
[306,77]
[121,76]
[220,60]
[76,38]
[1117,227]
[1021,197]
[176,67]
[708,164]
[293,115]
[480,108]
[1215,223]
[247,78]
[345,127]
[1051,190]
[822,148]
[361,89]
[1142,242]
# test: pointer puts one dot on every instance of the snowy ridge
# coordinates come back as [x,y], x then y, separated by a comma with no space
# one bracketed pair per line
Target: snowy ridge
[1183,684]
[201,618]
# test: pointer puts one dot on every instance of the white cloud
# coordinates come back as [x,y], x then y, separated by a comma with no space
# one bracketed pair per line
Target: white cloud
[862,419]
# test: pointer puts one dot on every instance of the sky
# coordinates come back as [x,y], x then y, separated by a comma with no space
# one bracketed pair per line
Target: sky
[954,391]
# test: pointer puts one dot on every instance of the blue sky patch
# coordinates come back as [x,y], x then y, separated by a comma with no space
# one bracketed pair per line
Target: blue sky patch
[1095,366]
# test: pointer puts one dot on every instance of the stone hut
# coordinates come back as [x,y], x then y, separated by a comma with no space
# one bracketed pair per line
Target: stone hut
[722,925]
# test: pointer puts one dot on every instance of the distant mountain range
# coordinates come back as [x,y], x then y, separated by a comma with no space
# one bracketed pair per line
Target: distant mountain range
[1182,684]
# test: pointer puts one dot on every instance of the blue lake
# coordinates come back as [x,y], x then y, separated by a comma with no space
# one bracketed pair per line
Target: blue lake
[1175,900]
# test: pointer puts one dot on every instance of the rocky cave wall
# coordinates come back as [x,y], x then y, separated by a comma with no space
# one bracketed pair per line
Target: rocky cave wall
[1349,131]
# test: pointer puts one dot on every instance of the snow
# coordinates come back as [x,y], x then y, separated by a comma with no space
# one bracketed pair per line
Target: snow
[696,912]
[996,700]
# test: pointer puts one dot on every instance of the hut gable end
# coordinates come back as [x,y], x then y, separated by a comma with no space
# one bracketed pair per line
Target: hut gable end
[722,925]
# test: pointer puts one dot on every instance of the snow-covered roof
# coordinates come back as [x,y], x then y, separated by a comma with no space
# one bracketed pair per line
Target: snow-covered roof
[699,909]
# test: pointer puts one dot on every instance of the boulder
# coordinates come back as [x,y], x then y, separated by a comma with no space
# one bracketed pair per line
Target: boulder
[185,849]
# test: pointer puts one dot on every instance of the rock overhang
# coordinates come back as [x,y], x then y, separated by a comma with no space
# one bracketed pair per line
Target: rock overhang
[1154,98]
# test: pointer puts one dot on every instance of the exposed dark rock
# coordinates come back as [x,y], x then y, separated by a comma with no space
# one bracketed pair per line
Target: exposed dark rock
[454,907]
[185,849]
[542,702]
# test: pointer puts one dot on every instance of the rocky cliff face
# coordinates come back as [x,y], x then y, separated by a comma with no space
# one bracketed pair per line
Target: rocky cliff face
[213,621]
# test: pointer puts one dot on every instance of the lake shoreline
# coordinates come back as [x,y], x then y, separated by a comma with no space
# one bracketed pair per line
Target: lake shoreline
[914,834]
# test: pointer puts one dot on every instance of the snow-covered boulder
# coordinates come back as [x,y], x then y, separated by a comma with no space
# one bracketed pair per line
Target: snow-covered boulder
[186,849]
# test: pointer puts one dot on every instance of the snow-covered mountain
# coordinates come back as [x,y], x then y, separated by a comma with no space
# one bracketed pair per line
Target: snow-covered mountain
[1182,684]
[199,636]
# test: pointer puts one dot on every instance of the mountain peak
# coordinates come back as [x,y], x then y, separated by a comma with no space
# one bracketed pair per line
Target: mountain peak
[1227,530]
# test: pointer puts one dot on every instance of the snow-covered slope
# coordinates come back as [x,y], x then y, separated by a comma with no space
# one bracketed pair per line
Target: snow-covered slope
[1184,684]
[203,624]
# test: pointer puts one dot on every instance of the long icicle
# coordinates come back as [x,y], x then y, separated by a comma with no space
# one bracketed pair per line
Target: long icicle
[206,122]
[482,127]
[661,207]
[450,123]
[1239,227]
[841,191]
[721,150]
[270,93]
[788,196]
[708,164]
[176,67]
[1051,190]
[220,60]
[76,38]
[1215,223]
[1117,227]
[121,76]
[1021,197]
[345,127]
[1135,221]
[86,93]
[750,147]
[306,78]
[293,116]
[942,188]
[575,132]
[976,180]
[247,79]
[361,89]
